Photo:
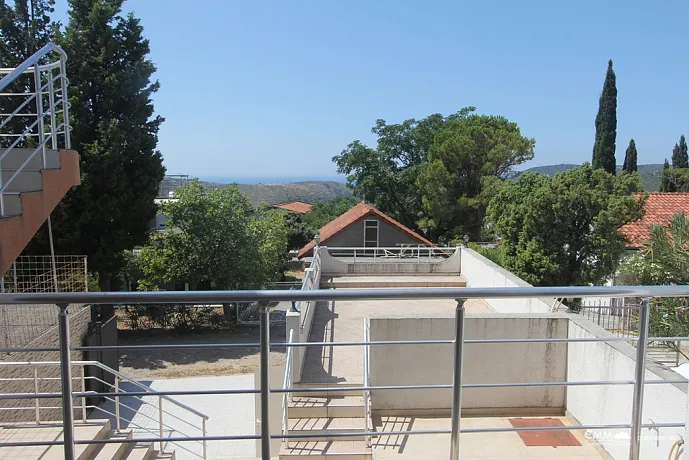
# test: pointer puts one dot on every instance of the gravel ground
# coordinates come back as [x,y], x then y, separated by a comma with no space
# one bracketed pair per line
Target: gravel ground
[175,363]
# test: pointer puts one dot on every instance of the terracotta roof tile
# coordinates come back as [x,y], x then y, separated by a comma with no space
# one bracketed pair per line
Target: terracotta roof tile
[356,213]
[294,206]
[659,207]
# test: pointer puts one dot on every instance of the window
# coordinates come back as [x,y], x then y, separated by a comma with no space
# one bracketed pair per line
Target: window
[370,233]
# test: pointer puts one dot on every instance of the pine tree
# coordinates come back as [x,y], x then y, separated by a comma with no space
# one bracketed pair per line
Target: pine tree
[682,156]
[606,125]
[114,129]
[630,158]
[664,178]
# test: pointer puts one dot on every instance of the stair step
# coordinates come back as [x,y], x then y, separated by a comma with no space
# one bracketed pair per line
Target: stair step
[26,181]
[157,455]
[326,450]
[141,451]
[312,406]
[12,205]
[16,157]
[339,389]
[116,451]
[318,428]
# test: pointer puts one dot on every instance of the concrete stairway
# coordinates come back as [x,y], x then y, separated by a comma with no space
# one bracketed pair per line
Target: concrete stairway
[92,429]
[32,195]
[317,415]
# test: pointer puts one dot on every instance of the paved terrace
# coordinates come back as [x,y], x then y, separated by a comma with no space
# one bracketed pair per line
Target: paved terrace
[342,321]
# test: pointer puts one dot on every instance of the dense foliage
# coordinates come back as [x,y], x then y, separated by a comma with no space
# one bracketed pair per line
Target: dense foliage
[630,158]
[680,156]
[434,175]
[562,230]
[606,125]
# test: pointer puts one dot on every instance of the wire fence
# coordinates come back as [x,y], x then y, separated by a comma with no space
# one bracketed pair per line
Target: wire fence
[21,324]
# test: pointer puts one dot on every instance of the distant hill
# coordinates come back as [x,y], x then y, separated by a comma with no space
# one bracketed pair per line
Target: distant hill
[310,191]
[650,174]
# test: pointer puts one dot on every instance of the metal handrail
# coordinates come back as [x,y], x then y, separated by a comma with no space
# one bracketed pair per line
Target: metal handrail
[31,61]
[367,381]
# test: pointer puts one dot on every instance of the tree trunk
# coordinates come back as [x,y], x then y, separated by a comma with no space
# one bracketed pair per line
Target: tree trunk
[103,312]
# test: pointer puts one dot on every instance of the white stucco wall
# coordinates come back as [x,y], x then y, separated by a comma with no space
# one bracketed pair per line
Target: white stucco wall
[484,363]
[481,272]
[596,405]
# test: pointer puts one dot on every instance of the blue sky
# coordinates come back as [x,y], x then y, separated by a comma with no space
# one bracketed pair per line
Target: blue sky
[275,88]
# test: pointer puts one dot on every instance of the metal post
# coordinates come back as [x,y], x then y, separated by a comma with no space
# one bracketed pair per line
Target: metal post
[83,390]
[14,277]
[39,110]
[160,421]
[66,377]
[639,375]
[265,382]
[51,107]
[117,404]
[65,103]
[52,255]
[35,389]
[457,380]
[86,274]
[203,429]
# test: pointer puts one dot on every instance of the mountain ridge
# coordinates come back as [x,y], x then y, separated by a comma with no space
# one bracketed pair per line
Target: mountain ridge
[650,173]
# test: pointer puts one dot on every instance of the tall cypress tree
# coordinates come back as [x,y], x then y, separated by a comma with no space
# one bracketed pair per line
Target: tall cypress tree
[664,178]
[606,125]
[630,158]
[115,131]
[682,155]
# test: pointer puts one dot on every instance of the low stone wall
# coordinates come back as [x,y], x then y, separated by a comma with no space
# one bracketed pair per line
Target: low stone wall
[481,272]
[483,363]
[79,323]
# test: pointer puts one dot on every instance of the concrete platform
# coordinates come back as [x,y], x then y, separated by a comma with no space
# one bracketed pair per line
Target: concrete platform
[392,281]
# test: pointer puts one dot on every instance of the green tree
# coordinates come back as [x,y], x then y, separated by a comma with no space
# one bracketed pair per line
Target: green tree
[323,212]
[216,241]
[299,233]
[606,125]
[562,230]
[680,158]
[630,157]
[664,179]
[115,131]
[387,175]
[460,176]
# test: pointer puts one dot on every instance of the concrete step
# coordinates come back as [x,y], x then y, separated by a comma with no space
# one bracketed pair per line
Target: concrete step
[141,451]
[163,455]
[12,205]
[338,390]
[16,157]
[393,281]
[117,451]
[324,450]
[26,181]
[93,429]
[319,428]
[312,406]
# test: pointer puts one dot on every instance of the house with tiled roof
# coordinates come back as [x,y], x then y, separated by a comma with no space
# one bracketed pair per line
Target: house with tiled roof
[659,209]
[365,226]
[301,207]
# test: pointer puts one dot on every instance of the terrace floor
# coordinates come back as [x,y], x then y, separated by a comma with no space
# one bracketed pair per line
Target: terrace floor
[342,321]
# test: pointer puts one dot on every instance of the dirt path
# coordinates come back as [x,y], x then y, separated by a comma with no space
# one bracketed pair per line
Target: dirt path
[174,363]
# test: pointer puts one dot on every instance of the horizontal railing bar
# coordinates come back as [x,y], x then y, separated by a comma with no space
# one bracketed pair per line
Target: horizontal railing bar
[153,297]
[11,396]
[341,434]
[32,61]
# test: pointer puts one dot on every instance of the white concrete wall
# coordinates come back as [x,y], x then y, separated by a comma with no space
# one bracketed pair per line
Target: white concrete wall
[484,363]
[276,376]
[481,272]
[333,266]
[596,405]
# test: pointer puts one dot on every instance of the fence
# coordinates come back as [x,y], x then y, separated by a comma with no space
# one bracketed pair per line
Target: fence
[635,424]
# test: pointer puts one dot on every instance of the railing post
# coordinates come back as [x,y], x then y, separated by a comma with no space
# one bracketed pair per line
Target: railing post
[39,111]
[117,404]
[203,430]
[35,389]
[83,390]
[65,103]
[51,107]
[66,378]
[457,380]
[639,376]
[160,421]
[265,382]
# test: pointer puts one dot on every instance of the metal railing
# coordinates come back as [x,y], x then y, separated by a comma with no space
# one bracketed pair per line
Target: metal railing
[367,381]
[420,254]
[117,393]
[36,132]
[286,384]
[62,300]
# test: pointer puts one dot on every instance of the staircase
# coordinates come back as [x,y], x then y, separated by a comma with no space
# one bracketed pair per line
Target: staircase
[318,416]
[93,429]
[32,195]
